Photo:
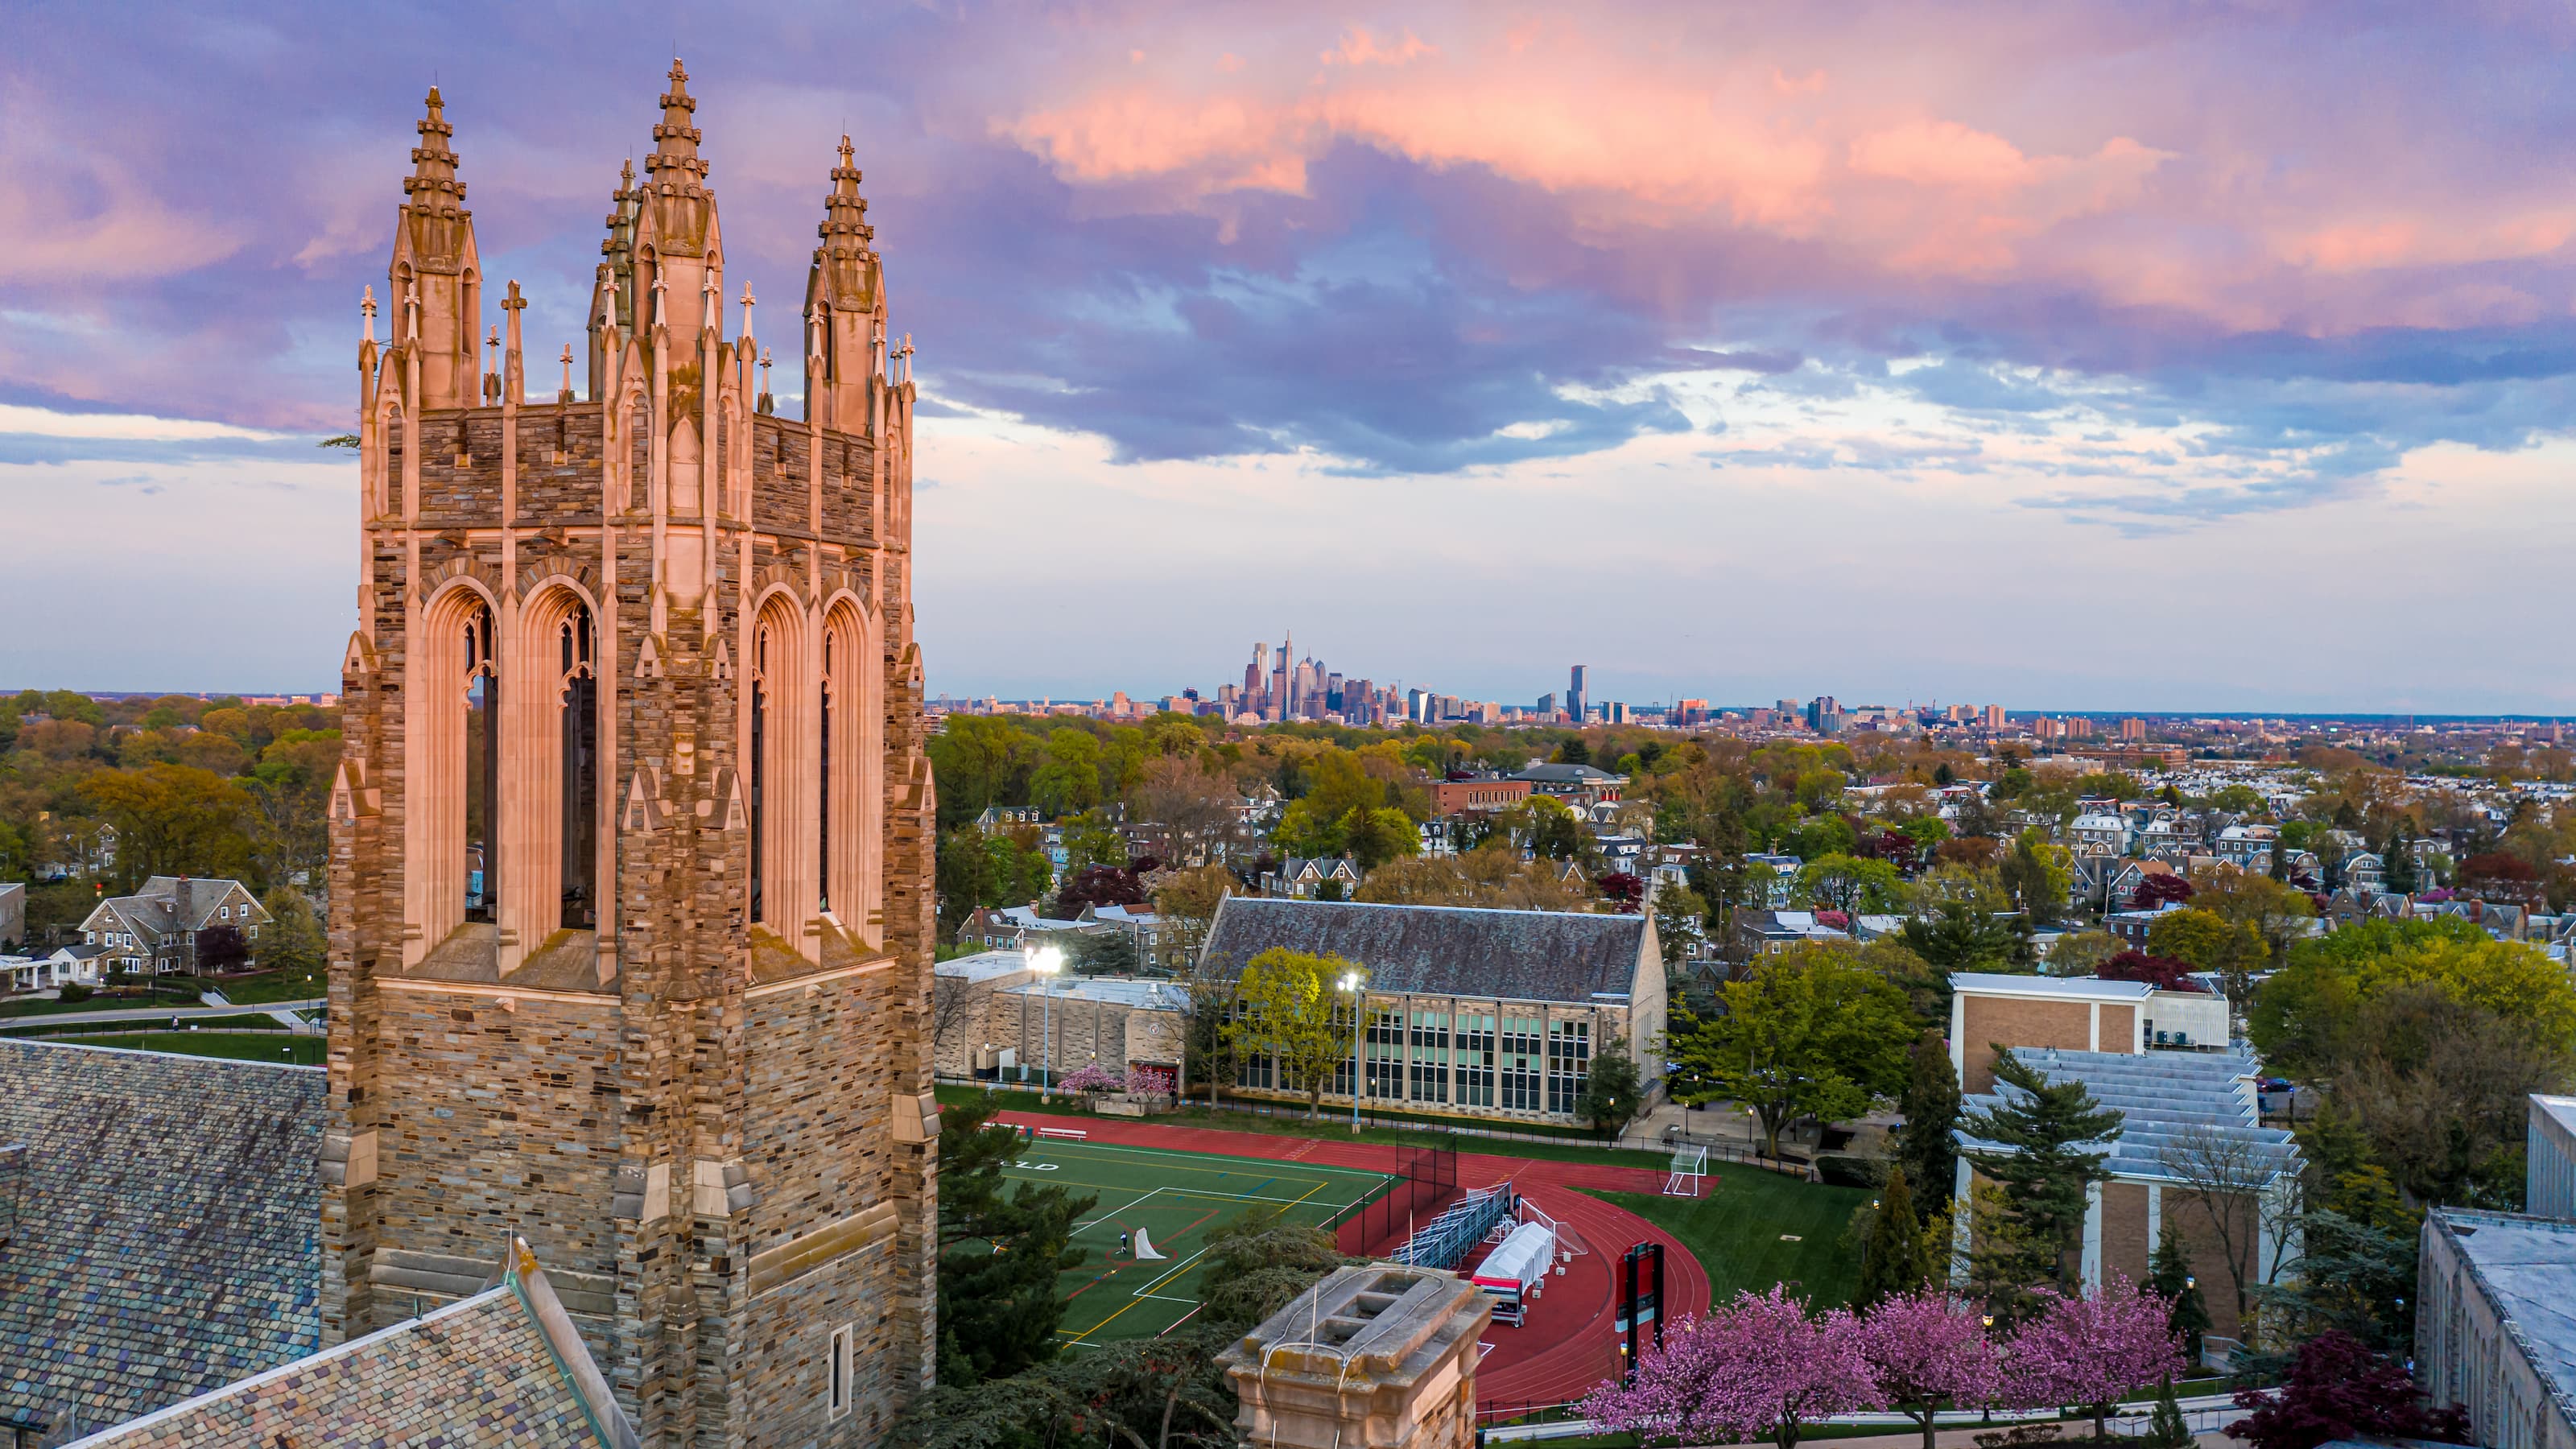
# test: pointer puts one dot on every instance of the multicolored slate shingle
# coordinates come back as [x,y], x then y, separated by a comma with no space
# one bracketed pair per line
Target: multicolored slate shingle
[167,1215]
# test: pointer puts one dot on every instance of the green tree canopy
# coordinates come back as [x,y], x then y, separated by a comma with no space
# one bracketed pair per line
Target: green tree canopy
[1810,1033]
[1289,1008]
[2044,1144]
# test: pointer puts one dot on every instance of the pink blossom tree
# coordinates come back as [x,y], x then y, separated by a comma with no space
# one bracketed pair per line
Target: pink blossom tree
[1927,1353]
[1757,1367]
[2091,1352]
[1091,1077]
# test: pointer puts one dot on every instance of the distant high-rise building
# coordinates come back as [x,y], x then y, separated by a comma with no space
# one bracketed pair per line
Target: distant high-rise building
[1991,717]
[2133,731]
[1824,714]
[1547,704]
[1578,695]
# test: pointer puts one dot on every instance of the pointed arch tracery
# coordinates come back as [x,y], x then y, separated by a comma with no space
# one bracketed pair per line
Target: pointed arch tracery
[452,789]
[782,766]
[851,720]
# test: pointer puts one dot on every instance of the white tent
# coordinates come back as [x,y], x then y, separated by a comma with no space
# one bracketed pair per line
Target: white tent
[1520,1264]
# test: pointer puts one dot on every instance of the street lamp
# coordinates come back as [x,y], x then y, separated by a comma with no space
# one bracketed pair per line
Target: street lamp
[1352,981]
[1046,961]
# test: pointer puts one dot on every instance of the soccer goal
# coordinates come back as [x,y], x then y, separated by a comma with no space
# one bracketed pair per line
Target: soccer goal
[1690,1164]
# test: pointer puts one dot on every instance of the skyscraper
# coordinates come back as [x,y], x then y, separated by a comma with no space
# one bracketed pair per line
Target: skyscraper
[1578,698]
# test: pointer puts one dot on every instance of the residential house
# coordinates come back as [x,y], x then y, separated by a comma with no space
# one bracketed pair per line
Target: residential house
[2132,926]
[1310,878]
[160,928]
[1008,928]
[2108,831]
[62,966]
[1139,924]
[13,915]
[1469,1012]
[2366,872]
[1782,887]
[1768,933]
[2247,847]
[1579,786]
[2168,837]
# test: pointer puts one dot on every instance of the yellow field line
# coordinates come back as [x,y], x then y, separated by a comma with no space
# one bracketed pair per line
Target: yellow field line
[1167,1277]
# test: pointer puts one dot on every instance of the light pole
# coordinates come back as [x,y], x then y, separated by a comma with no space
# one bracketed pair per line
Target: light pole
[1352,981]
[1046,961]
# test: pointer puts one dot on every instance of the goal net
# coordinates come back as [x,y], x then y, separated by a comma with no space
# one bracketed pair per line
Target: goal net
[1690,1164]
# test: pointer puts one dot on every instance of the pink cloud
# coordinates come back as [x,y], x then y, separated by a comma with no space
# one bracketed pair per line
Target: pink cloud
[1359,47]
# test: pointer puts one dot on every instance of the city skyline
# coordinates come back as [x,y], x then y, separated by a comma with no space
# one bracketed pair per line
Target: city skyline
[2016,376]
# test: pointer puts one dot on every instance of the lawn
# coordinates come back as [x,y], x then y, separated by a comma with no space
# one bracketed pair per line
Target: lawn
[43,1006]
[1751,1229]
[1173,1200]
[1337,1129]
[252,1022]
[242,1046]
[274,986]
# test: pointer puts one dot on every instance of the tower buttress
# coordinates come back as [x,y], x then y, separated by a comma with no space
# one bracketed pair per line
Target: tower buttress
[846,287]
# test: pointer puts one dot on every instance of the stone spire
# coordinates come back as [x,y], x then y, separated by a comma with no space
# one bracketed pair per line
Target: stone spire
[843,291]
[675,176]
[846,235]
[434,251]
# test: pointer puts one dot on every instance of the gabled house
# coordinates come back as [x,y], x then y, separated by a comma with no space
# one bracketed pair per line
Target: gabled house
[160,928]
[1309,878]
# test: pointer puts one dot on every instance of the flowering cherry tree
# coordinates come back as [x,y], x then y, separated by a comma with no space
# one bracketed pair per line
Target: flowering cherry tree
[2090,1352]
[1927,1353]
[1757,1367]
[1092,1077]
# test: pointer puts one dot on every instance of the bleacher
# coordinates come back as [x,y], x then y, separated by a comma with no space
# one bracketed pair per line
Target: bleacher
[1444,1241]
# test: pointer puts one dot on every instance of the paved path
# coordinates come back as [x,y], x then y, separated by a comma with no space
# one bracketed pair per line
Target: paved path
[149,1014]
[1568,1342]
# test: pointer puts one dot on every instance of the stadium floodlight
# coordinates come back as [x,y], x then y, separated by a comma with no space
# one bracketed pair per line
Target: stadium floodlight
[1352,981]
[1046,961]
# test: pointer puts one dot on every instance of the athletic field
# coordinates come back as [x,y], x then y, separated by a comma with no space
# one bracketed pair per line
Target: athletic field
[1175,1199]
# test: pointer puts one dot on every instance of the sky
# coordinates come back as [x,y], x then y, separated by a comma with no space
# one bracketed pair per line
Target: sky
[2155,356]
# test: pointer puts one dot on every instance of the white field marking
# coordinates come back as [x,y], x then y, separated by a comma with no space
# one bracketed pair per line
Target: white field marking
[1302,1168]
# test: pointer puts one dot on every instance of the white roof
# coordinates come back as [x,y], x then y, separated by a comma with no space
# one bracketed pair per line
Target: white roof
[1113,990]
[2051,988]
[1521,1260]
[984,965]
[2100,822]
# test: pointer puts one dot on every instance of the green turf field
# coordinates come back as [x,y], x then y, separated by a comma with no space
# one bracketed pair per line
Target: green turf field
[1176,1199]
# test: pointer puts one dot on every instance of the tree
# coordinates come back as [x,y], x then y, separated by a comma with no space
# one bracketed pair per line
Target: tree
[2338,1389]
[2166,1428]
[1613,1091]
[1809,1033]
[2276,913]
[1925,1151]
[1492,876]
[2093,1351]
[1104,953]
[2169,1276]
[1892,1260]
[2161,972]
[1098,885]
[1756,1366]
[999,1252]
[965,873]
[2204,940]
[1681,922]
[172,820]
[2240,1190]
[1929,1352]
[1069,782]
[292,943]
[1374,837]
[221,950]
[2007,1260]
[1288,1009]
[1849,883]
[2044,1143]
[1257,1264]
[2158,890]
[2041,876]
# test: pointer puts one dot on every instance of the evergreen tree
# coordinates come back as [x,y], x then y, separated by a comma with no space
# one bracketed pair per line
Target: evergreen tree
[2049,1141]
[2400,863]
[1930,1102]
[2170,1276]
[2167,1430]
[1892,1262]
[999,1252]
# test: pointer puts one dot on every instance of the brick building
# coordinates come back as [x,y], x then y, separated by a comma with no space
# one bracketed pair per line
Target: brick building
[653,999]
[1472,1013]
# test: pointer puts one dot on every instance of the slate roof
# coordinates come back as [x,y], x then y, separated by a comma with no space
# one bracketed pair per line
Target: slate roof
[1441,950]
[503,1367]
[2162,1097]
[168,1215]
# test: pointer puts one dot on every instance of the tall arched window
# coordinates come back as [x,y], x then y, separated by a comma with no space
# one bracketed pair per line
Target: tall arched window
[482,766]
[575,641]
[780,768]
[852,793]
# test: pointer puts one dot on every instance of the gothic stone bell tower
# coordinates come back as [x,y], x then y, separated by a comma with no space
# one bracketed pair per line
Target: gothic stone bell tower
[630,856]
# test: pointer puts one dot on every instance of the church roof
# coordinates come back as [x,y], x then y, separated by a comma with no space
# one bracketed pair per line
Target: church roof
[502,1368]
[1442,950]
[162,1216]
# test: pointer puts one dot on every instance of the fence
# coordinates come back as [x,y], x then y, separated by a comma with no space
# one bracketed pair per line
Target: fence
[1369,1116]
[1422,1184]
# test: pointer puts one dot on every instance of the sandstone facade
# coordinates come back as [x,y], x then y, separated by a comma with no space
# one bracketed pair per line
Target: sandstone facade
[631,911]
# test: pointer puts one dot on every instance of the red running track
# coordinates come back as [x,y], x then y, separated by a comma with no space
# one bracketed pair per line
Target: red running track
[1568,1342]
